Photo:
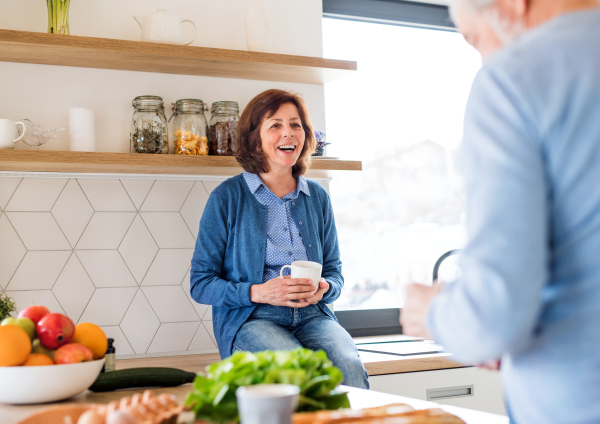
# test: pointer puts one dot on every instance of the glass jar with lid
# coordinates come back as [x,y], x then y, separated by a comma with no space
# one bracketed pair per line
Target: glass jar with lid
[149,126]
[222,135]
[190,127]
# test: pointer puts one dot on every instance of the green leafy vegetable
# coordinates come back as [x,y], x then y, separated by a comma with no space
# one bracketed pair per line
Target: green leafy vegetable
[213,398]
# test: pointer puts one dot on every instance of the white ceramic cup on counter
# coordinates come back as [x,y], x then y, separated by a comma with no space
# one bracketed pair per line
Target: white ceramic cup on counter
[305,269]
[9,134]
[267,403]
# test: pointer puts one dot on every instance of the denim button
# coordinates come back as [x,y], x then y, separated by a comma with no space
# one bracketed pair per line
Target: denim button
[300,223]
[293,203]
[310,245]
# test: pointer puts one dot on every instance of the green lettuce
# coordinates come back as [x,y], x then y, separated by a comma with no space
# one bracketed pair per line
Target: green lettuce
[213,398]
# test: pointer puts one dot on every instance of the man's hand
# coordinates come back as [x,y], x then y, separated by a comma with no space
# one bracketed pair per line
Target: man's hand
[282,291]
[414,311]
[316,298]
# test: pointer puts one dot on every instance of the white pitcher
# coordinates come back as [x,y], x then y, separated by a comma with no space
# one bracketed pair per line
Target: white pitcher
[8,133]
[163,27]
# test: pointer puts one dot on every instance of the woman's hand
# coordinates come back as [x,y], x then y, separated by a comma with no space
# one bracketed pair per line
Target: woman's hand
[283,291]
[316,298]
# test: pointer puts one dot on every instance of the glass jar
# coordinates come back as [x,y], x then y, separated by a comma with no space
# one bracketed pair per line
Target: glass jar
[191,127]
[222,134]
[149,126]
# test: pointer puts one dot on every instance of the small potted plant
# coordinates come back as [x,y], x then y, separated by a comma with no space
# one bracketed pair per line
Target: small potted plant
[7,306]
[321,143]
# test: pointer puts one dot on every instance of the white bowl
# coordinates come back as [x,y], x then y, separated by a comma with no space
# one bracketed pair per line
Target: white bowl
[40,384]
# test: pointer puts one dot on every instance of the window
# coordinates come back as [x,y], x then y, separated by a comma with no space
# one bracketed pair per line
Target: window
[401,114]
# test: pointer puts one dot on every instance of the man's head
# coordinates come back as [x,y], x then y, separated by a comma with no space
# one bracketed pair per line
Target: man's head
[488,25]
[485,25]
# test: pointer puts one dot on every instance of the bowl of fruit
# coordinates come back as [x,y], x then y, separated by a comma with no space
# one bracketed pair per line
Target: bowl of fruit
[44,357]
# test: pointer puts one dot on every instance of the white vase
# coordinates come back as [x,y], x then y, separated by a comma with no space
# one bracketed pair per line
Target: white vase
[258,27]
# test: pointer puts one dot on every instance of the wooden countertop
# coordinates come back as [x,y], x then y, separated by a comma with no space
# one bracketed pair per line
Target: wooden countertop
[359,398]
[375,363]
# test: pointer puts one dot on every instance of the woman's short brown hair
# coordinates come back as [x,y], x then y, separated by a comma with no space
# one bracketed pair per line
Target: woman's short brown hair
[265,105]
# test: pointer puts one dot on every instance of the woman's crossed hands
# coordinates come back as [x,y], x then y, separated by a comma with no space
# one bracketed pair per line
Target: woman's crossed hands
[287,291]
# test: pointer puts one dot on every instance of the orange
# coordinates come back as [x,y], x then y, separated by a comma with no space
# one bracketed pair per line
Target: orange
[15,345]
[92,337]
[36,359]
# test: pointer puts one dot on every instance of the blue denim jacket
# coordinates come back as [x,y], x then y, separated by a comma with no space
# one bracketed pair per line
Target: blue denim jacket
[230,252]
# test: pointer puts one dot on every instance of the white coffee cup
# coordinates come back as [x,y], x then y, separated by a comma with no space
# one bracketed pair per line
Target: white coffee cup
[9,134]
[267,403]
[305,269]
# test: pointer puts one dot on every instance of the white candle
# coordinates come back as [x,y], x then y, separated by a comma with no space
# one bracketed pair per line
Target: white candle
[82,130]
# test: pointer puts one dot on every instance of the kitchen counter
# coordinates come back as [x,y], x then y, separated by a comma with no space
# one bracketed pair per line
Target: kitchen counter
[359,398]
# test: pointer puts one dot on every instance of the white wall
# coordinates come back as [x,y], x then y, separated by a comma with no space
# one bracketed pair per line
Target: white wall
[130,275]
[44,93]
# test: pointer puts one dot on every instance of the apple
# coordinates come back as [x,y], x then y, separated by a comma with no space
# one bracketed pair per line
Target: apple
[55,330]
[25,323]
[34,313]
[72,353]
[37,347]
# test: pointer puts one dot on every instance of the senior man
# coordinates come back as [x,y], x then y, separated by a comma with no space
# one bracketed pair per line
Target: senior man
[530,286]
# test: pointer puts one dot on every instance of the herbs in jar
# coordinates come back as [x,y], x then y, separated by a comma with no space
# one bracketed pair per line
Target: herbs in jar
[149,133]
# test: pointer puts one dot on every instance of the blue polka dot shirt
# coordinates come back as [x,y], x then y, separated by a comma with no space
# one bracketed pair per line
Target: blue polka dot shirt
[284,243]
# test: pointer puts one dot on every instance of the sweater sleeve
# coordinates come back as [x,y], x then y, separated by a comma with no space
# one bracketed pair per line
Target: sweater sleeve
[495,305]
[332,265]
[206,284]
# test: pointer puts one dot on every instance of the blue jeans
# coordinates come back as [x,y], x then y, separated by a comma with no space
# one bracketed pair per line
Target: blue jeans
[283,328]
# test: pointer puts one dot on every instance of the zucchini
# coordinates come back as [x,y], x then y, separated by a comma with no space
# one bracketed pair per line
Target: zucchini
[141,377]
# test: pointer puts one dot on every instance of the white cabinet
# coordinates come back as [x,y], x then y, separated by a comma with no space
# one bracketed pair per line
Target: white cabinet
[484,387]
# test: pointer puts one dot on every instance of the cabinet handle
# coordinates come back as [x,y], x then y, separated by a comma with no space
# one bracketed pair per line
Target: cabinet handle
[450,392]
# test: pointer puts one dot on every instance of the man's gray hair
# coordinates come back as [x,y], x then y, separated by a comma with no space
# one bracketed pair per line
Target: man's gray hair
[505,31]
[475,5]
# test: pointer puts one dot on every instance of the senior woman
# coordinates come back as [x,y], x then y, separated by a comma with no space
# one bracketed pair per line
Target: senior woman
[263,219]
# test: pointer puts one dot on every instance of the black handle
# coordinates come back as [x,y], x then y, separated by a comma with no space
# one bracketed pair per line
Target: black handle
[441,259]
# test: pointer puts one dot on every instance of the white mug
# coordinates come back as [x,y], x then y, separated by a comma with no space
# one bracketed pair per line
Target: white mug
[305,269]
[267,403]
[8,133]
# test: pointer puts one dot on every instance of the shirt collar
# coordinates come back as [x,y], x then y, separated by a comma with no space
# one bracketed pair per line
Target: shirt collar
[254,183]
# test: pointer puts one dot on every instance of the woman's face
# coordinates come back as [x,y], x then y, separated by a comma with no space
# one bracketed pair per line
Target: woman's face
[282,137]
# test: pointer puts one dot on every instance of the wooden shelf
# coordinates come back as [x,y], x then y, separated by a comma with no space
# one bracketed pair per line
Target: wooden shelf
[134,163]
[104,53]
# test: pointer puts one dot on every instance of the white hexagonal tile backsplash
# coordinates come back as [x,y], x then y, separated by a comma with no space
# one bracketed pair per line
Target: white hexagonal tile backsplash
[39,270]
[106,268]
[138,249]
[137,189]
[12,250]
[8,186]
[38,230]
[80,247]
[169,267]
[194,206]
[108,306]
[167,196]
[170,304]
[173,337]
[36,194]
[73,289]
[140,323]
[169,230]
[72,211]
[106,195]
[106,230]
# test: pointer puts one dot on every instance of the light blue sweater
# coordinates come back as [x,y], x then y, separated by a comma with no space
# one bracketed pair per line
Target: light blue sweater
[231,247]
[530,288]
